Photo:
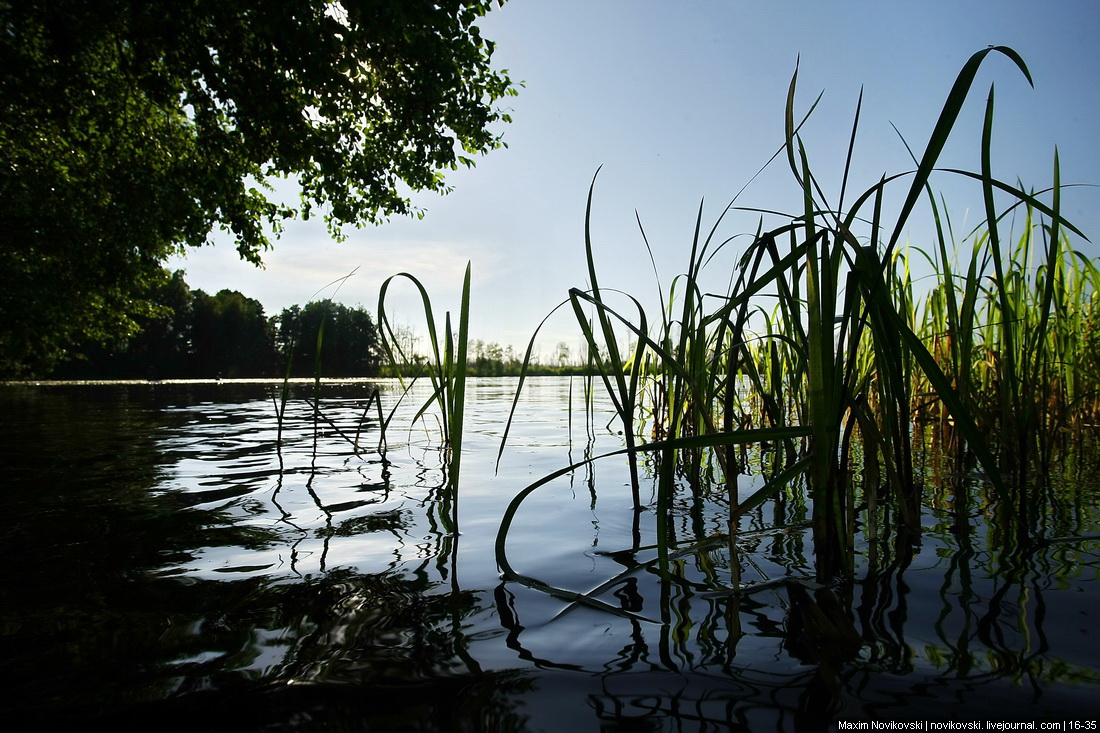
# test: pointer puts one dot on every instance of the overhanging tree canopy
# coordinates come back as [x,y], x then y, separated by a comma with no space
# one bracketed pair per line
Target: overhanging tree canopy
[130,130]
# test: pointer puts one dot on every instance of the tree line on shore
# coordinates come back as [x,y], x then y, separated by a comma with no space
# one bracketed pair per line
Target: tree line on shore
[190,334]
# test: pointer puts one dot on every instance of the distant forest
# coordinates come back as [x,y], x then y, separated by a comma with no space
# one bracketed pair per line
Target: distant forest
[190,334]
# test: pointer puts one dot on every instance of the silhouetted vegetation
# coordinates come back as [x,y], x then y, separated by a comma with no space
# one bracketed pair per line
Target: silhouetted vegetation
[132,130]
[490,359]
[191,334]
[348,346]
[230,336]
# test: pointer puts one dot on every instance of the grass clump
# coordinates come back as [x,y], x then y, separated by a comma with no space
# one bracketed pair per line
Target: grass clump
[446,366]
[822,349]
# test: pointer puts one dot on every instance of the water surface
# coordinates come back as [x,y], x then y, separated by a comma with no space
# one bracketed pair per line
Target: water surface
[174,559]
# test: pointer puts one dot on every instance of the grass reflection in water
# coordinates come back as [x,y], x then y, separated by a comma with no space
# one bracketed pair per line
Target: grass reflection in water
[163,569]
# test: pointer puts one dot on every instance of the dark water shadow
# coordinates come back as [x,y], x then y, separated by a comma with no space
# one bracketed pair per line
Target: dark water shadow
[104,623]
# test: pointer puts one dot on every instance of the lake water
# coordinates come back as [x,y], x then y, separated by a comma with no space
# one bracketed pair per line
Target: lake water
[173,561]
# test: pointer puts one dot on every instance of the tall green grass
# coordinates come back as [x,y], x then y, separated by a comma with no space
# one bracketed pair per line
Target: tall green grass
[446,369]
[824,351]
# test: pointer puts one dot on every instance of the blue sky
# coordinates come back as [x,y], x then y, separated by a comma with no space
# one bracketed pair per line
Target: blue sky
[682,103]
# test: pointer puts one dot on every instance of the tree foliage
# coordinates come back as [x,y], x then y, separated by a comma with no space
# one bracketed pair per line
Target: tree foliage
[348,342]
[192,334]
[230,336]
[130,130]
[159,346]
